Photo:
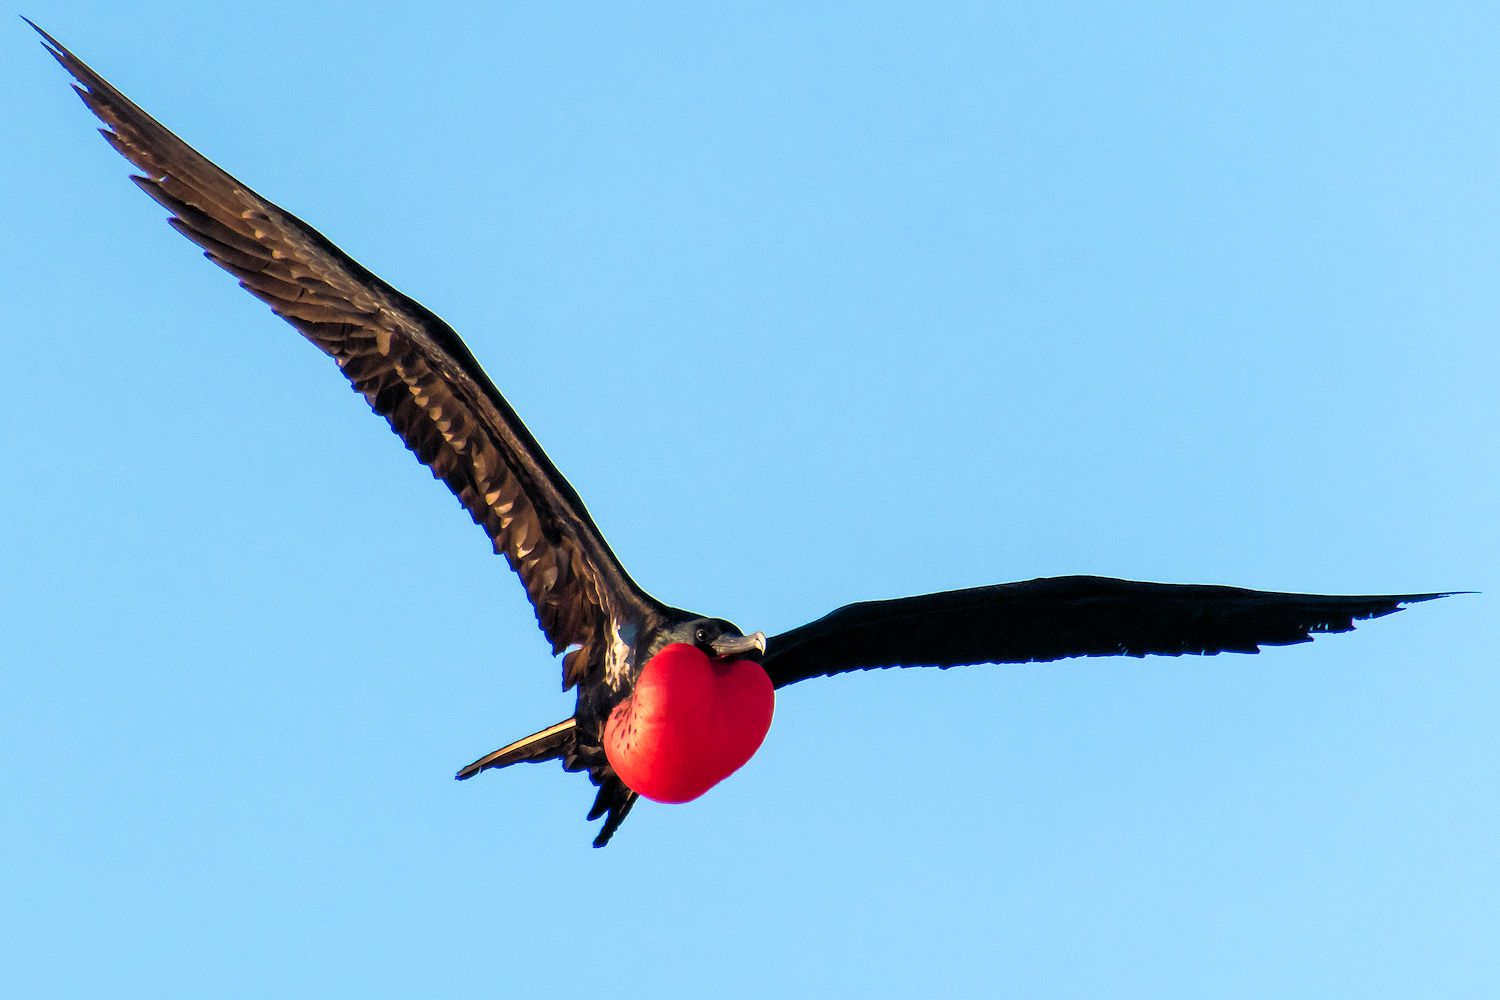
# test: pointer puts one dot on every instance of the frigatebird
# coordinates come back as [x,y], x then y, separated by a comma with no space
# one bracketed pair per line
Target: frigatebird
[669,702]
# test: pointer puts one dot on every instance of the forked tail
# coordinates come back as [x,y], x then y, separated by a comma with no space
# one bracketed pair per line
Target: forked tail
[552,743]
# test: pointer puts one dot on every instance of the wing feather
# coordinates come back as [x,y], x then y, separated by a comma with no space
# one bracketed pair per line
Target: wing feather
[410,366]
[1058,617]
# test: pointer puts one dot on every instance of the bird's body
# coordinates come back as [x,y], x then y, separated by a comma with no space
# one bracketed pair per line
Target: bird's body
[668,702]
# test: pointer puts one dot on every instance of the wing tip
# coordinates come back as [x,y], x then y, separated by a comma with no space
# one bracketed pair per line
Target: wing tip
[47,39]
[1399,602]
[57,50]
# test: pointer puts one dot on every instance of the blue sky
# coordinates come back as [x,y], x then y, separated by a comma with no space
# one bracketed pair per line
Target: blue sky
[1194,293]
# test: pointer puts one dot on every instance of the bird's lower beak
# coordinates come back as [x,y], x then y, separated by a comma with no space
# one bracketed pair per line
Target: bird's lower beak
[726,646]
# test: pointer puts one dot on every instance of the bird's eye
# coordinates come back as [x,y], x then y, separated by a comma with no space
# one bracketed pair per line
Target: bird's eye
[701,635]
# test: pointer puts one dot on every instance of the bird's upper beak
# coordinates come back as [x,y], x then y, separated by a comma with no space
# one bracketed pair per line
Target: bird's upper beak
[726,646]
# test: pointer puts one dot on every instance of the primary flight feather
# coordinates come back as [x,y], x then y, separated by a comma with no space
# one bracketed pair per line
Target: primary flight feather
[669,702]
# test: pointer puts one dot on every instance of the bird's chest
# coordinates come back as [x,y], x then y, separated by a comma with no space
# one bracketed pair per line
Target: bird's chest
[689,723]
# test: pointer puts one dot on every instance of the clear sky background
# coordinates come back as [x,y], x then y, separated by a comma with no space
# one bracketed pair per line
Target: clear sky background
[968,294]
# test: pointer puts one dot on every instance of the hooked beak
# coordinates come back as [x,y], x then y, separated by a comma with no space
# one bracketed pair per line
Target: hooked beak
[726,646]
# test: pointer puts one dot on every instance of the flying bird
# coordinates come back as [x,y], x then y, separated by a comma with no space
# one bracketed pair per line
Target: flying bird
[668,702]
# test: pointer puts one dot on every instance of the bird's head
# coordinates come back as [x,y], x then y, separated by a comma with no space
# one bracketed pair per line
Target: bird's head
[719,639]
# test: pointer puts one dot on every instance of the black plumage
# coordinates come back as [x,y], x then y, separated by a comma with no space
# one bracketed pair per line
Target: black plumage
[1059,617]
[413,369]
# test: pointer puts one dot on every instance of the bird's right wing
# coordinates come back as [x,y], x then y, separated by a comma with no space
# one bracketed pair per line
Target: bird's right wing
[410,365]
[1059,617]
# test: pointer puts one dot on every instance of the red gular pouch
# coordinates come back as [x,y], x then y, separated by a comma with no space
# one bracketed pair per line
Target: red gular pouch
[691,722]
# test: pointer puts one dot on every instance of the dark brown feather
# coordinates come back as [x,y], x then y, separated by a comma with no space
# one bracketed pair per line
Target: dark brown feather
[409,365]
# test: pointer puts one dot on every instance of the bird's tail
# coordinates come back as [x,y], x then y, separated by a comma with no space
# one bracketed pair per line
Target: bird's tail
[552,743]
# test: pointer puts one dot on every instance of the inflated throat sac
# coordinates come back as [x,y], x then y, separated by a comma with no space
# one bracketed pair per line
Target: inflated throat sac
[691,722]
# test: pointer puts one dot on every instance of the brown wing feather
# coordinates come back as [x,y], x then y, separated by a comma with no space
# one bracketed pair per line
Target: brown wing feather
[411,367]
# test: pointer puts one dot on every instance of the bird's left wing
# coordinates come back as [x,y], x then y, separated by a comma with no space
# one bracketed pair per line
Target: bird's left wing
[1058,617]
[410,365]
